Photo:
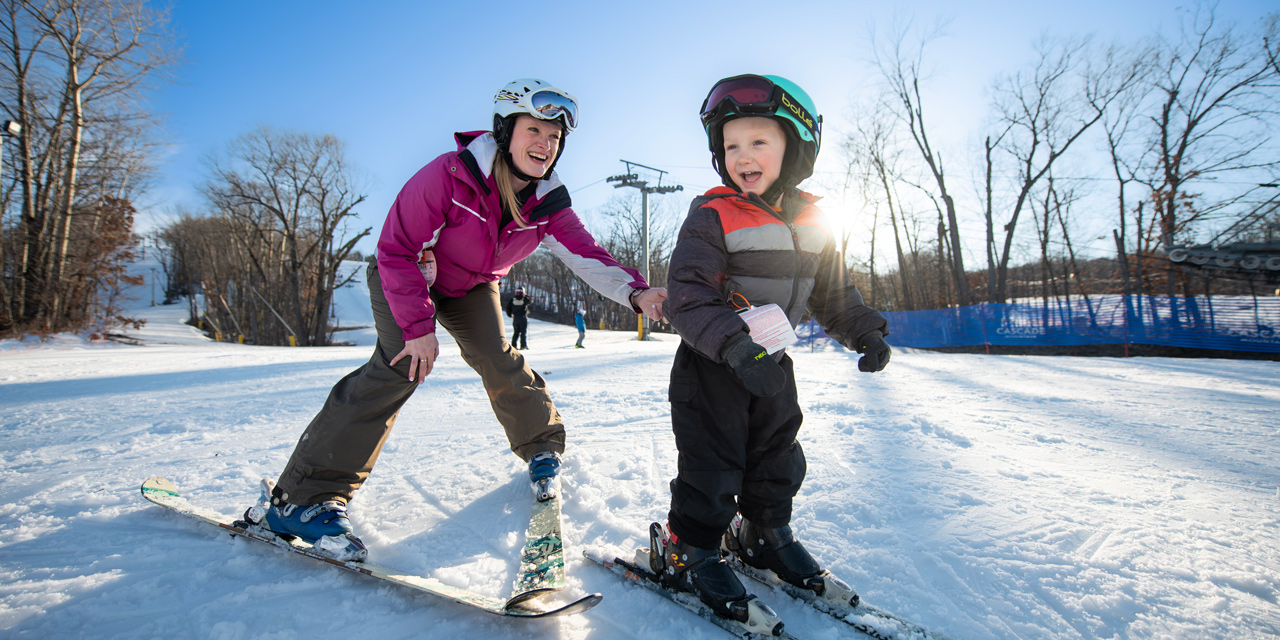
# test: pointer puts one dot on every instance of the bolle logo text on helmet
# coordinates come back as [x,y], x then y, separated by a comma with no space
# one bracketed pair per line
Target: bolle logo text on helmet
[797,110]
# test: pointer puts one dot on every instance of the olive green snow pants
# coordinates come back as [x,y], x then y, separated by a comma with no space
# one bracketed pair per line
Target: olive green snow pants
[339,448]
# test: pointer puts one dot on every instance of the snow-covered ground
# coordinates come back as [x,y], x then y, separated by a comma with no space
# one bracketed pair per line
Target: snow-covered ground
[983,496]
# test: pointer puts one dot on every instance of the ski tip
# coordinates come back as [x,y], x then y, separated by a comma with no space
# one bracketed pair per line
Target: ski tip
[524,610]
[580,605]
[158,484]
[600,555]
[590,601]
[527,595]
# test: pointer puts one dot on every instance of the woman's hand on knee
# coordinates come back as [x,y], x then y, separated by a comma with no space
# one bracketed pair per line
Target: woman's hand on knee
[422,353]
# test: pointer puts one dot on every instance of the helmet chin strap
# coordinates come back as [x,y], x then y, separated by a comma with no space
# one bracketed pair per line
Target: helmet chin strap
[515,171]
[774,192]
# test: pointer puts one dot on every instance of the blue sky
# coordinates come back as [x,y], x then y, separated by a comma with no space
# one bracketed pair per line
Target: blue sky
[394,80]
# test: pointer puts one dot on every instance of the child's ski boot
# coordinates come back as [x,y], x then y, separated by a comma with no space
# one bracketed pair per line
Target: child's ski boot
[703,573]
[777,550]
[325,525]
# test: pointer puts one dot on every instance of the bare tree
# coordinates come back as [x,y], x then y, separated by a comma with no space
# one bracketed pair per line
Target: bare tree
[1046,109]
[1059,263]
[873,160]
[1271,41]
[290,198]
[624,240]
[625,233]
[858,181]
[74,72]
[901,66]
[989,147]
[1121,125]
[195,245]
[1217,99]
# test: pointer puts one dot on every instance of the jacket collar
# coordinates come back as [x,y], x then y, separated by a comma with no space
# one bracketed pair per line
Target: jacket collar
[793,201]
[478,151]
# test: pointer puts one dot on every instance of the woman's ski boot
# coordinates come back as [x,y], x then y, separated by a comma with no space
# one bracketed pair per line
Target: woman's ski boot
[325,525]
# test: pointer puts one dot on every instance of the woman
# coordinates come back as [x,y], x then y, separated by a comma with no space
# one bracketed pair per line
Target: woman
[474,212]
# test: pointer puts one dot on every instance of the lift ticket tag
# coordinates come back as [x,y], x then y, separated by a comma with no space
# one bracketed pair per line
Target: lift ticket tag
[770,327]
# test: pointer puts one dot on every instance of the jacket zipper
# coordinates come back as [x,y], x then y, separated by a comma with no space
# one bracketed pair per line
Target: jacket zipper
[795,245]
[795,278]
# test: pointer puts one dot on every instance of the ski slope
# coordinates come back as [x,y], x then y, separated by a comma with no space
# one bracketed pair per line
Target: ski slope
[982,496]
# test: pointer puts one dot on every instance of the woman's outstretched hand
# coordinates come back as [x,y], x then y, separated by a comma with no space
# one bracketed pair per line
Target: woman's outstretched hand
[422,353]
[650,302]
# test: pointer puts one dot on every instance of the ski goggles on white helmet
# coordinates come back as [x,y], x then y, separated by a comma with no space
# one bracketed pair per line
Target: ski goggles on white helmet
[543,102]
[753,95]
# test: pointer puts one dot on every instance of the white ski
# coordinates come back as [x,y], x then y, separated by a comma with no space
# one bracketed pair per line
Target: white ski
[162,492]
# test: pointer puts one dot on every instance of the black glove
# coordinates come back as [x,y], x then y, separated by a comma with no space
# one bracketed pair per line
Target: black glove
[877,352]
[758,371]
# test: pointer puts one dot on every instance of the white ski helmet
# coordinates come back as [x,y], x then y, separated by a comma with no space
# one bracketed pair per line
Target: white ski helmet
[536,98]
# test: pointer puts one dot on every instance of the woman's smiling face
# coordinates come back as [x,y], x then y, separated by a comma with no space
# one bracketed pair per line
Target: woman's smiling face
[534,145]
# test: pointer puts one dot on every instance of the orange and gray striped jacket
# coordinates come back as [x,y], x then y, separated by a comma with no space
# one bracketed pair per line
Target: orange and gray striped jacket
[733,247]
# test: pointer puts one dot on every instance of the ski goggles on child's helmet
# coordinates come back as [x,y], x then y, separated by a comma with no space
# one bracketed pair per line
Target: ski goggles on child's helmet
[753,95]
[545,104]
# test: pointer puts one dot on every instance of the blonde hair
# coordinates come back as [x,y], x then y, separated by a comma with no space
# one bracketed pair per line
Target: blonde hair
[507,193]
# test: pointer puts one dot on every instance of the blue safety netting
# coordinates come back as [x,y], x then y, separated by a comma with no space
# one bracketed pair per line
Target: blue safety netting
[1223,323]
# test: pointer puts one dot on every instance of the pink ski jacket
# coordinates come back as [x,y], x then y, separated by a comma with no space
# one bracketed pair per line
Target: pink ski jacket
[452,208]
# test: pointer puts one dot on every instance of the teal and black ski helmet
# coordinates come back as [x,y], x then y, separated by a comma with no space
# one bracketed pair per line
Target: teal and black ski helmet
[765,96]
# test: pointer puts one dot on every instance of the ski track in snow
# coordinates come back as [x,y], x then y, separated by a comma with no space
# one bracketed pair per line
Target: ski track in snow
[981,496]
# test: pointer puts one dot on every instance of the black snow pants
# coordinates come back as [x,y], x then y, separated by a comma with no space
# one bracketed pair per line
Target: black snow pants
[738,452]
[520,335]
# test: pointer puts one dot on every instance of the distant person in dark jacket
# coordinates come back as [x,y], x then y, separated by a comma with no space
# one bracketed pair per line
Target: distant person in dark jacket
[518,311]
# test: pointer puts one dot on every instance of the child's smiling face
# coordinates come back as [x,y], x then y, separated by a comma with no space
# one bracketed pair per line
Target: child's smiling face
[753,152]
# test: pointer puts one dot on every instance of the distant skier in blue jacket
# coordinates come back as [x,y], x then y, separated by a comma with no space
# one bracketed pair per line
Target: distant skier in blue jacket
[580,319]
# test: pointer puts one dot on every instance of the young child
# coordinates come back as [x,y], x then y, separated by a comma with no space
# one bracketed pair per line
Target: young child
[734,408]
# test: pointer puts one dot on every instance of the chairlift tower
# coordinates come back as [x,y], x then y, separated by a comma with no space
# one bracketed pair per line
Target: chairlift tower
[632,179]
